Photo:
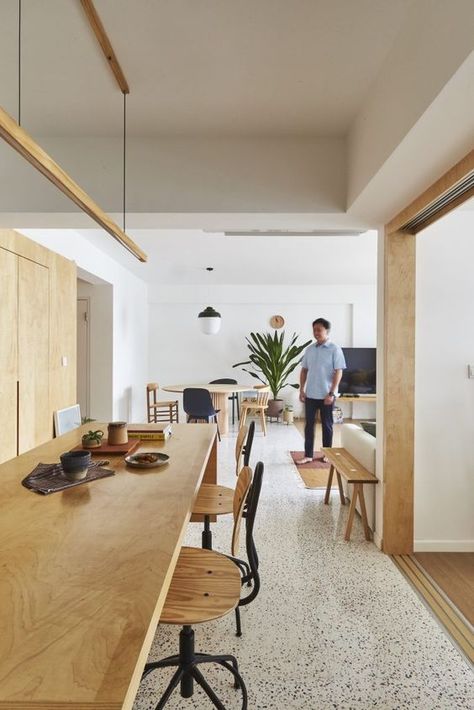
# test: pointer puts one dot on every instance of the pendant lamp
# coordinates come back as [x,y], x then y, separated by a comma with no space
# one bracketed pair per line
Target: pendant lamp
[210,321]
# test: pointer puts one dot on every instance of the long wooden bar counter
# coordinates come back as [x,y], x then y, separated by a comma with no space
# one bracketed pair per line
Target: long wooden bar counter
[85,572]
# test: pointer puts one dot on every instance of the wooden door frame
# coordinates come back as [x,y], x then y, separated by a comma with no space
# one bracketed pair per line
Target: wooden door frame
[399,356]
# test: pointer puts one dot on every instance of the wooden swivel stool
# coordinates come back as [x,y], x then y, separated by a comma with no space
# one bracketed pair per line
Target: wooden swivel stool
[214,499]
[205,586]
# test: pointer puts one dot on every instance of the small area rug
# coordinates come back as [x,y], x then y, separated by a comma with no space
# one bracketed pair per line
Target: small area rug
[315,473]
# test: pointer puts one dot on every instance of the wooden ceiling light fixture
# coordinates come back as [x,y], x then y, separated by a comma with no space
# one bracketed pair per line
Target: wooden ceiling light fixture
[25,145]
[102,38]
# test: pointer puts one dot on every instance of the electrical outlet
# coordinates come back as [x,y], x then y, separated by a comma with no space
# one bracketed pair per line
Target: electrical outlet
[64,361]
[470,372]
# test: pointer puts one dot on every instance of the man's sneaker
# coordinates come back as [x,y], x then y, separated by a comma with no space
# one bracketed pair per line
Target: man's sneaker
[306,459]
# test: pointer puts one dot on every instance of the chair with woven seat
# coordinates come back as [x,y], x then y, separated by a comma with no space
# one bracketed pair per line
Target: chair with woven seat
[234,398]
[197,404]
[205,586]
[160,411]
[257,406]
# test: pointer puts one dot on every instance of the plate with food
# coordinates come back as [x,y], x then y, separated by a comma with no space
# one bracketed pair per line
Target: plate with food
[147,459]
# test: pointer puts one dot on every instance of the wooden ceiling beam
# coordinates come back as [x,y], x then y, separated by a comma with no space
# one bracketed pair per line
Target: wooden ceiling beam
[24,144]
[106,46]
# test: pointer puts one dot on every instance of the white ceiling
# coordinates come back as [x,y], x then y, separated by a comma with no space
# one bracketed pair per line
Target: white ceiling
[180,257]
[207,67]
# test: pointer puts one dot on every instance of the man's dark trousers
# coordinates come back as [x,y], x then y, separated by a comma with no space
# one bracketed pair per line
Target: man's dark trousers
[311,408]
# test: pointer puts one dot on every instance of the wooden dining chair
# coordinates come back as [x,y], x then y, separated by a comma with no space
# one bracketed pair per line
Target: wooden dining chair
[160,411]
[257,406]
[205,586]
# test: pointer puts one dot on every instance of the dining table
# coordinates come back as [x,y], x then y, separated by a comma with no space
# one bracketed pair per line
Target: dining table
[85,571]
[220,399]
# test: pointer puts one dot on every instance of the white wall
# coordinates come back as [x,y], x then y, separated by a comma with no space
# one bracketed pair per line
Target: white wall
[433,43]
[129,363]
[444,396]
[185,175]
[180,353]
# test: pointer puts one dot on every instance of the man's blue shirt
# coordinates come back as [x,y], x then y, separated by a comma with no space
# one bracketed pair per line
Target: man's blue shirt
[321,361]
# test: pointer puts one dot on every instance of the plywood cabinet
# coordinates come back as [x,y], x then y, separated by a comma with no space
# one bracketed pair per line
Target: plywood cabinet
[33,354]
[37,341]
[8,354]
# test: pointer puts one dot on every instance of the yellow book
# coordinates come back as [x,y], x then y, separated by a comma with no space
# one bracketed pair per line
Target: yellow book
[149,432]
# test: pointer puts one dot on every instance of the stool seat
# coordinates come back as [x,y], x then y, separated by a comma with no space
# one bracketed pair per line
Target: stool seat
[205,586]
[214,500]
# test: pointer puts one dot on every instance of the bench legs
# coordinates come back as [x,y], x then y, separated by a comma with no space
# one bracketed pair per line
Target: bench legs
[357,493]
[339,483]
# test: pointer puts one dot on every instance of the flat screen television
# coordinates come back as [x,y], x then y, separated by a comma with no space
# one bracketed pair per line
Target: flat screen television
[359,377]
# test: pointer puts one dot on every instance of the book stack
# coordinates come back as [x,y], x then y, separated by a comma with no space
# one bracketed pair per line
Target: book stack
[149,432]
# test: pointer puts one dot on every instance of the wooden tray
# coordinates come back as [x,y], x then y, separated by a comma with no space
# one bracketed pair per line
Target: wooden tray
[112,449]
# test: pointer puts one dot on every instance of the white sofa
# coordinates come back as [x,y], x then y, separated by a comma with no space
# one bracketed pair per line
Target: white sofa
[362,447]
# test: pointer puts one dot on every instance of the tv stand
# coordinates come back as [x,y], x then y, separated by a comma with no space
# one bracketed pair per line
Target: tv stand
[357,398]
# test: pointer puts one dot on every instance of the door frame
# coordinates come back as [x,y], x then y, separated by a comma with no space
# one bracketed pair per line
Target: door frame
[399,350]
[88,356]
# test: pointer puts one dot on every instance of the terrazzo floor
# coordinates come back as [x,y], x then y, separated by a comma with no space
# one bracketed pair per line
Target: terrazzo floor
[335,625]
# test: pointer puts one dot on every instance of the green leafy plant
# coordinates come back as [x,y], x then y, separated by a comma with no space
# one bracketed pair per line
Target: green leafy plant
[95,436]
[271,361]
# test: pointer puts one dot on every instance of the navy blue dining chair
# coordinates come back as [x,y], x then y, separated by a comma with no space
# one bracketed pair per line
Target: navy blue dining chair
[197,404]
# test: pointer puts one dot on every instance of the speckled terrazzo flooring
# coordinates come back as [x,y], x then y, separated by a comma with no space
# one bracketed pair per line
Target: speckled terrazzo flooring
[335,625]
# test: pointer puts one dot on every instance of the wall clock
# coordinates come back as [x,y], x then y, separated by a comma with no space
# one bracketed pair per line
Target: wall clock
[277,322]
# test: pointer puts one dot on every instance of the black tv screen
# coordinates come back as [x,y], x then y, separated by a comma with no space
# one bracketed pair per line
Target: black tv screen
[359,376]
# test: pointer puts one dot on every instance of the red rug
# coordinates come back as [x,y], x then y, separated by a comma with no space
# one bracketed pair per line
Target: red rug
[315,463]
[314,474]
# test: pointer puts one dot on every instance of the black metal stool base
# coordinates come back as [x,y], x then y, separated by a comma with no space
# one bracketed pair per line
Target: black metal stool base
[187,671]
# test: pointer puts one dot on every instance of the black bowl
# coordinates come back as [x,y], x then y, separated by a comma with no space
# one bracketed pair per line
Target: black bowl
[75,464]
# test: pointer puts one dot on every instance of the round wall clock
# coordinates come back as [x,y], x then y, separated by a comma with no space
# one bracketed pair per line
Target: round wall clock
[277,322]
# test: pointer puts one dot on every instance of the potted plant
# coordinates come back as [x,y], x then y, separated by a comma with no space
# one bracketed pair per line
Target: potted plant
[272,363]
[92,439]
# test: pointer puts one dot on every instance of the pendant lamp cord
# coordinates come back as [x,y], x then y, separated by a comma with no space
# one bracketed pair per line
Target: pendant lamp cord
[124,156]
[19,62]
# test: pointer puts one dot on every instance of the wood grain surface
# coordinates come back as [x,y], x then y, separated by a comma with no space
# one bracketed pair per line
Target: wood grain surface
[86,573]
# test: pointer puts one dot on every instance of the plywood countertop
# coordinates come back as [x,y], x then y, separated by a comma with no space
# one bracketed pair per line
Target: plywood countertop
[85,572]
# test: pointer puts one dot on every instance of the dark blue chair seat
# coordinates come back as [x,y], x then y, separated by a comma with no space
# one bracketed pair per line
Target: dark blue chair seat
[197,404]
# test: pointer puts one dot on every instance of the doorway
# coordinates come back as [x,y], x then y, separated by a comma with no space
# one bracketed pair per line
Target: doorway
[83,356]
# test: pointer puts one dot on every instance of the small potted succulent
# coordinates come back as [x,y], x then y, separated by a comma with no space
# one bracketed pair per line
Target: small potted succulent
[92,439]
[288,414]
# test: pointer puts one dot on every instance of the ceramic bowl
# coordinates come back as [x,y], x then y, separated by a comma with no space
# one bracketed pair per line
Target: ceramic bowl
[75,464]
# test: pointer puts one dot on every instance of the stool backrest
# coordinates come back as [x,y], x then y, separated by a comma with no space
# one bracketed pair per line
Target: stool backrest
[253,499]
[240,496]
[239,445]
[197,402]
[248,443]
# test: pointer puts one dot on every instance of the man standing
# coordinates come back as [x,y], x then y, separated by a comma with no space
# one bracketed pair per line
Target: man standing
[321,372]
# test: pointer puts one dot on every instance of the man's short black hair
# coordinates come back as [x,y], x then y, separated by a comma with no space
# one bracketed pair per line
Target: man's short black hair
[322,321]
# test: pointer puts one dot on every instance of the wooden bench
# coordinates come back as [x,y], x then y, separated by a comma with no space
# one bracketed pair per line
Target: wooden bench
[346,465]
